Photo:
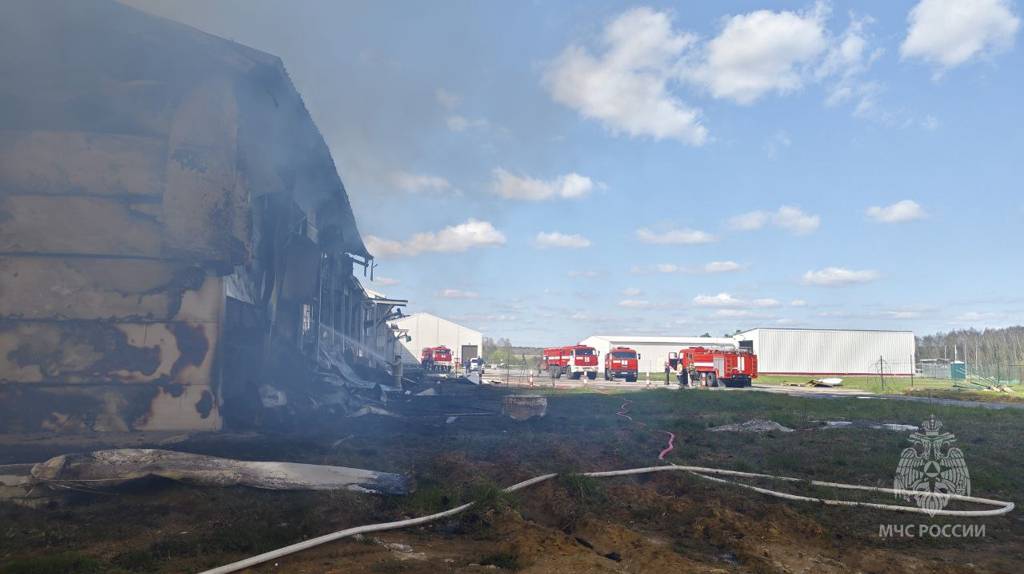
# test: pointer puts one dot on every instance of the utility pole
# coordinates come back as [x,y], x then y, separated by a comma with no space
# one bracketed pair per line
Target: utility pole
[881,371]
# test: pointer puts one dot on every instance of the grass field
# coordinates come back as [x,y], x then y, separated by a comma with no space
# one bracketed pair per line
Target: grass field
[918,386]
[668,522]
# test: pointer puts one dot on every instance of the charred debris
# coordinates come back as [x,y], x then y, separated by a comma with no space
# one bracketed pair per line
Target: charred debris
[177,250]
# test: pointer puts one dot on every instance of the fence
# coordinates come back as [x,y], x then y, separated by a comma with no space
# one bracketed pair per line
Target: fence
[983,373]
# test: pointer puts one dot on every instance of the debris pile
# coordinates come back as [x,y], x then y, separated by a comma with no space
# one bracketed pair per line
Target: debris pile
[523,407]
[116,467]
[753,425]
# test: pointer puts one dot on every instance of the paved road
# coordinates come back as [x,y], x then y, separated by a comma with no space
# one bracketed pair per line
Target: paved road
[521,378]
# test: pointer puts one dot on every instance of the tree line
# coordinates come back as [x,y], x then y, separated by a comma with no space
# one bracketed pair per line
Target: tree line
[1003,346]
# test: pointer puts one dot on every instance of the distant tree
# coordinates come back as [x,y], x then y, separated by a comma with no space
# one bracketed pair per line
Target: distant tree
[706,335]
[991,349]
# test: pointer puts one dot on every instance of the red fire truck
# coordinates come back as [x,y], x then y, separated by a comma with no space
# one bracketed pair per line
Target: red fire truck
[436,359]
[621,362]
[713,367]
[572,361]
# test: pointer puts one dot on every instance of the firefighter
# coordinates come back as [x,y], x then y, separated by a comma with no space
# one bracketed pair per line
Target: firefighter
[668,371]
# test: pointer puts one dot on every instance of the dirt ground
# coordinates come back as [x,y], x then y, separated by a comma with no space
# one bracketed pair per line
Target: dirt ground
[664,522]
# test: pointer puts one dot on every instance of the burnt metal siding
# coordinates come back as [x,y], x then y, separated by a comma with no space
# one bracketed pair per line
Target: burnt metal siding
[824,351]
[135,154]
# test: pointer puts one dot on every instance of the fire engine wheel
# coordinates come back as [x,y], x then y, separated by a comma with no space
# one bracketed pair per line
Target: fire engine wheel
[592,376]
[575,376]
[630,379]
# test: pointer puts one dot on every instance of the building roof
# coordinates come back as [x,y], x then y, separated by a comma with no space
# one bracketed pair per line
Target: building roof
[431,316]
[655,340]
[833,330]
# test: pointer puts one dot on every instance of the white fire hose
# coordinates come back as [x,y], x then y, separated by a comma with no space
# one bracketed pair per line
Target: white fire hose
[1000,507]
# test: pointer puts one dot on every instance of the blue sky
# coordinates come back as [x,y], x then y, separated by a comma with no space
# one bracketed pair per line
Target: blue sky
[546,171]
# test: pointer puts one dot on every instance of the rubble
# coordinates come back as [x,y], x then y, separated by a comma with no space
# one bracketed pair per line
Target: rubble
[868,424]
[753,425]
[112,468]
[523,407]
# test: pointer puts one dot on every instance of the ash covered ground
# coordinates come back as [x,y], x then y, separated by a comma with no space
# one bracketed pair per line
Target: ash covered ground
[666,522]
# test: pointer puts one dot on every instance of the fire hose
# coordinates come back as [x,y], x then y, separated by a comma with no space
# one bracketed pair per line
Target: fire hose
[999,507]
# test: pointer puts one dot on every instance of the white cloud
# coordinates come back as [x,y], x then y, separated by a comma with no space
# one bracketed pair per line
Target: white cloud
[786,217]
[761,52]
[779,141]
[721,267]
[720,300]
[569,186]
[588,274]
[457,294]
[421,183]
[975,316]
[634,303]
[839,276]
[948,33]
[844,66]
[728,301]
[734,313]
[457,123]
[380,247]
[749,221]
[795,220]
[675,236]
[556,239]
[631,292]
[712,267]
[448,100]
[931,123]
[798,303]
[899,212]
[386,281]
[486,318]
[626,86]
[901,314]
[454,238]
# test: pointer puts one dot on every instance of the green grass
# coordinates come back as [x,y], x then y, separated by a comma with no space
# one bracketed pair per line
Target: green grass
[874,384]
[917,386]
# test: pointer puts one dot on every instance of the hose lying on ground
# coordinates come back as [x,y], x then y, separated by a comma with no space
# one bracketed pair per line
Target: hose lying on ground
[1001,506]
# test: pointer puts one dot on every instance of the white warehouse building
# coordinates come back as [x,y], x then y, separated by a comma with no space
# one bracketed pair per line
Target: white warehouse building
[653,351]
[831,351]
[421,330]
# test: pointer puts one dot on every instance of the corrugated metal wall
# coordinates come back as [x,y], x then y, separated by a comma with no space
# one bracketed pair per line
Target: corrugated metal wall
[426,330]
[822,351]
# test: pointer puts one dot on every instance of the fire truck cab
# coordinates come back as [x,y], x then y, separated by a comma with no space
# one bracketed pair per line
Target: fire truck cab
[436,359]
[621,362]
[714,367]
[573,361]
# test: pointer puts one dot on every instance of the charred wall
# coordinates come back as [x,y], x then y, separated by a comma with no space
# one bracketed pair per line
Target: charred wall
[165,202]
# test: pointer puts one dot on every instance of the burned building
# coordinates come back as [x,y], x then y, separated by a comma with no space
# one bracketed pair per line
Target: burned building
[174,237]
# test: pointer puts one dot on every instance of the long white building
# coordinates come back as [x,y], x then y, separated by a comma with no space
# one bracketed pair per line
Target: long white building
[653,351]
[831,351]
[421,330]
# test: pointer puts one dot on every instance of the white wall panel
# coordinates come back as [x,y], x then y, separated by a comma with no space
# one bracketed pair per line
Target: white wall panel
[653,350]
[823,351]
[426,330]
